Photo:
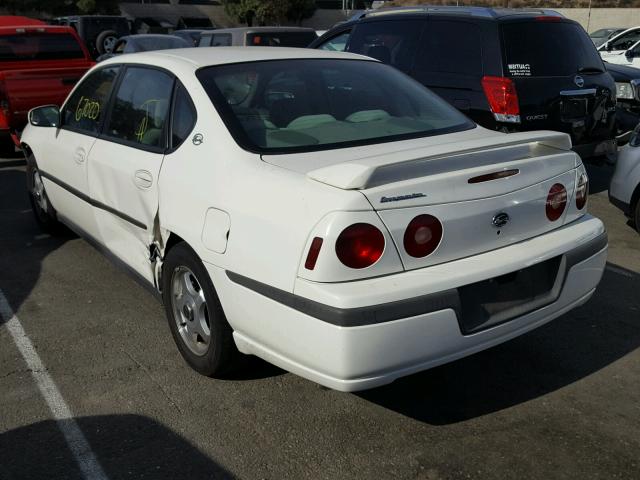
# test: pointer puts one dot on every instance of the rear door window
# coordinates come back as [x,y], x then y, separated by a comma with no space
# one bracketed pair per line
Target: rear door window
[548,49]
[141,108]
[393,41]
[626,41]
[451,47]
[85,109]
[39,46]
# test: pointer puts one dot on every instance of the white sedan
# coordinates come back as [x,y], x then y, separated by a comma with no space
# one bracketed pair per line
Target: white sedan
[320,210]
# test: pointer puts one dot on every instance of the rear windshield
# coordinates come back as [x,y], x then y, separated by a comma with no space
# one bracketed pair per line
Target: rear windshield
[548,49]
[315,104]
[39,46]
[281,39]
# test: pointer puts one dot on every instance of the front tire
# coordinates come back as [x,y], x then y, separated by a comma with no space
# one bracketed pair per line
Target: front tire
[196,319]
[44,213]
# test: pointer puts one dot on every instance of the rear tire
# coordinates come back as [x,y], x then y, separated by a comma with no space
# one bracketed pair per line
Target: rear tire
[44,213]
[196,319]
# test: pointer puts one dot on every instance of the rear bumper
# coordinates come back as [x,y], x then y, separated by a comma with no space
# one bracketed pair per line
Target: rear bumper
[597,148]
[368,333]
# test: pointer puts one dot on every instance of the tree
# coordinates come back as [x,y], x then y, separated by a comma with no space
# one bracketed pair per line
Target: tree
[264,12]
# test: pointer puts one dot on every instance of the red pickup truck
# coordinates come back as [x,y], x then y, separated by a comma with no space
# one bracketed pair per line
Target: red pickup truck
[39,65]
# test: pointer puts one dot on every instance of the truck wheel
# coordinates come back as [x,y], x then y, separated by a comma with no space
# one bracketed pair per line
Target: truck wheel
[43,211]
[196,319]
[105,41]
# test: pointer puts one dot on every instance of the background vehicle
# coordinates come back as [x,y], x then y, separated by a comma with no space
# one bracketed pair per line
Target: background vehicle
[39,64]
[190,35]
[258,37]
[145,43]
[507,69]
[99,32]
[628,99]
[624,191]
[600,36]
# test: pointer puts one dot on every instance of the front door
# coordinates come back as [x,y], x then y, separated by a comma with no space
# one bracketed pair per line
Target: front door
[124,165]
[65,166]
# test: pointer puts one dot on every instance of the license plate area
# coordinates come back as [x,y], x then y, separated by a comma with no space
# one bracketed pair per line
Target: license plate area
[574,108]
[500,299]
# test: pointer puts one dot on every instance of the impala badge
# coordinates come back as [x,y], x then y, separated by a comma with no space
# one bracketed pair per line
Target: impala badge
[197,139]
[500,220]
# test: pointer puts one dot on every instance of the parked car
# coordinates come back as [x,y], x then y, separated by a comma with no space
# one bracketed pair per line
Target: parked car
[624,191]
[99,32]
[507,69]
[190,35]
[628,99]
[145,43]
[602,35]
[39,64]
[320,210]
[258,37]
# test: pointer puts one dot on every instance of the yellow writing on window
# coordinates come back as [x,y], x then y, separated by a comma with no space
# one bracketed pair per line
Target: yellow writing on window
[87,108]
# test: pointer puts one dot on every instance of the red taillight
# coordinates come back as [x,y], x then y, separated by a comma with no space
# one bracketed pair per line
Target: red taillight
[556,202]
[503,98]
[360,245]
[422,236]
[582,191]
[314,251]
[548,18]
[4,108]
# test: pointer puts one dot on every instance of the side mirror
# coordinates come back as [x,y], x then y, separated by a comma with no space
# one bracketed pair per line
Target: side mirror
[46,116]
[608,47]
[629,54]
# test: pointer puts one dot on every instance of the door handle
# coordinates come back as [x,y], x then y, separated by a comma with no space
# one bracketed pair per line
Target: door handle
[143,179]
[80,155]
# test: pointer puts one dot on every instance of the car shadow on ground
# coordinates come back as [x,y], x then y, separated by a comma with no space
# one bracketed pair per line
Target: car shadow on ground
[125,446]
[556,355]
[599,176]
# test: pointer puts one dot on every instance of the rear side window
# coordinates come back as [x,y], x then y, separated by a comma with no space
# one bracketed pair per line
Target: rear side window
[141,107]
[85,108]
[451,47]
[39,46]
[184,117]
[626,41]
[548,49]
[220,40]
[280,39]
[391,42]
[337,43]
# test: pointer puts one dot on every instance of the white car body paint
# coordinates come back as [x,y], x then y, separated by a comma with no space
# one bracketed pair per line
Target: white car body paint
[252,218]
[625,182]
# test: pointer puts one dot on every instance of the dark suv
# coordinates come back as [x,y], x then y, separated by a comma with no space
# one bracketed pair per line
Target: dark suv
[507,69]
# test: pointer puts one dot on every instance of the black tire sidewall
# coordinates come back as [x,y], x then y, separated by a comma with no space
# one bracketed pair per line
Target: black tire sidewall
[218,358]
[636,216]
[47,221]
[100,40]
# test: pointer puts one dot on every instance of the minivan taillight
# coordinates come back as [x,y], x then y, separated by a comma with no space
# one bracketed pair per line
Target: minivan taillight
[360,245]
[556,201]
[582,191]
[503,98]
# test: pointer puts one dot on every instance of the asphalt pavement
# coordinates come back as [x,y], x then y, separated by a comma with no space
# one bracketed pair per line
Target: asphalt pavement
[560,402]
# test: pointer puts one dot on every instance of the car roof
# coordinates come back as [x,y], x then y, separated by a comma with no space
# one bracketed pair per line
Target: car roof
[482,12]
[260,29]
[198,57]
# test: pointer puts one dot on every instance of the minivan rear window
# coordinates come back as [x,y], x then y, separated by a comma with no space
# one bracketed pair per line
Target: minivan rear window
[39,46]
[548,49]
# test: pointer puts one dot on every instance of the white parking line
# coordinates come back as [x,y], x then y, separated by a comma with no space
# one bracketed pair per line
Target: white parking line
[74,437]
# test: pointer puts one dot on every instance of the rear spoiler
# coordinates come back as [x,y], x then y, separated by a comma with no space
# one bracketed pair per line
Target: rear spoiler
[377,170]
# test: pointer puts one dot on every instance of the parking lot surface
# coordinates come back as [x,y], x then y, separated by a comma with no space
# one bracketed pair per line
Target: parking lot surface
[560,402]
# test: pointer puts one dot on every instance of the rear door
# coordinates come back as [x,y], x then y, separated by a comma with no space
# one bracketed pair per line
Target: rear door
[560,80]
[125,162]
